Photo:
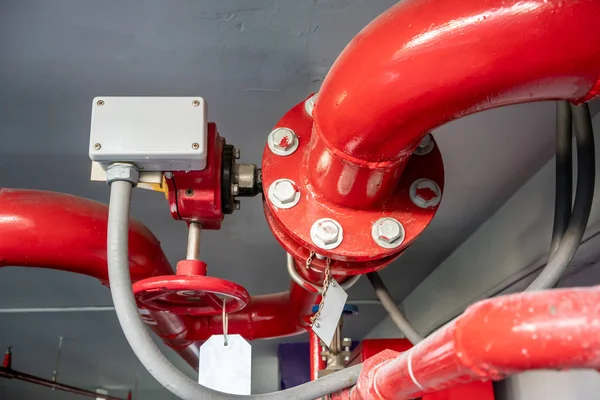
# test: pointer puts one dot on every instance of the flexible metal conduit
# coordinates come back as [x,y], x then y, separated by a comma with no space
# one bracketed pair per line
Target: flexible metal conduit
[140,340]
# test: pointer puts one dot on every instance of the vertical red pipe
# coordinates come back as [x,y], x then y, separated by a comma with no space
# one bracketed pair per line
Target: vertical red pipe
[495,338]
[316,359]
[423,63]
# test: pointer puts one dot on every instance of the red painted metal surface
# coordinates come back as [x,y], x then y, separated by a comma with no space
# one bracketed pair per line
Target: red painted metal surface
[190,292]
[192,295]
[316,359]
[12,374]
[60,231]
[196,195]
[64,232]
[424,63]
[493,339]
[358,252]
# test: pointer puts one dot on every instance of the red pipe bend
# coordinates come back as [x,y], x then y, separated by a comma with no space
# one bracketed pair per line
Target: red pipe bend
[68,233]
[424,63]
[495,338]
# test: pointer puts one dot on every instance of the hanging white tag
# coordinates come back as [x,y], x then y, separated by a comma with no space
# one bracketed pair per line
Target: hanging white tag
[226,368]
[333,307]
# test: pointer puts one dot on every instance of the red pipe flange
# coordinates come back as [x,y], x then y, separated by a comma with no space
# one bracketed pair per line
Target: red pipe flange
[190,292]
[358,251]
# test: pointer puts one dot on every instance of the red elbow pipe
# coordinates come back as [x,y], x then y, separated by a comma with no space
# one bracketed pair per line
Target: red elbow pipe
[68,233]
[424,63]
[493,339]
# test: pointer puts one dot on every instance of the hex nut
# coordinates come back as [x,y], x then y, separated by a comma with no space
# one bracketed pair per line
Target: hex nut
[283,193]
[309,104]
[282,141]
[425,193]
[327,233]
[122,172]
[388,233]
[427,144]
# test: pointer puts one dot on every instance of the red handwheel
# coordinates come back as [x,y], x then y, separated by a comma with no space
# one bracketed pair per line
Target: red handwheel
[190,294]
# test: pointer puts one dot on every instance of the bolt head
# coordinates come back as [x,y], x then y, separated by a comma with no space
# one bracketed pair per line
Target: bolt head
[389,230]
[309,104]
[195,146]
[284,139]
[195,103]
[327,231]
[425,193]
[425,146]
[285,191]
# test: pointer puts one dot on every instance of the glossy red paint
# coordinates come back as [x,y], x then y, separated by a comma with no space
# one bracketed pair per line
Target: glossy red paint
[316,359]
[64,232]
[196,195]
[190,292]
[68,233]
[358,252]
[493,339]
[424,63]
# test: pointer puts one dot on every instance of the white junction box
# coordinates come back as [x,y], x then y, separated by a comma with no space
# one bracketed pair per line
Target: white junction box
[154,133]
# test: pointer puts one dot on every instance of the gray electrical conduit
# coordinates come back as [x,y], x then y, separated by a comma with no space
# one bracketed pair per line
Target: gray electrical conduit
[584,196]
[141,342]
[390,306]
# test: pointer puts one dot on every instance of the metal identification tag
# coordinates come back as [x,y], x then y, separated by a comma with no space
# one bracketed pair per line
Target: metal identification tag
[226,368]
[333,305]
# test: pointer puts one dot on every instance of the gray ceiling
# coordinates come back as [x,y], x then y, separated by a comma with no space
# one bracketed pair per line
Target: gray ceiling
[252,60]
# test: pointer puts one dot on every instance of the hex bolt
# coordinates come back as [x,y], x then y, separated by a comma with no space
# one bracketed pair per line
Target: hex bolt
[425,146]
[283,141]
[237,153]
[425,193]
[309,104]
[326,233]
[237,205]
[388,233]
[283,193]
[235,189]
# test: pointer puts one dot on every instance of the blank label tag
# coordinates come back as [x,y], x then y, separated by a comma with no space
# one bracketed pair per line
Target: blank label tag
[333,306]
[226,368]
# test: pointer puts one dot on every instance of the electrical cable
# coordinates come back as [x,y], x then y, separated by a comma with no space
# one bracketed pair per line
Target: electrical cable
[563,196]
[584,195]
[141,342]
[390,306]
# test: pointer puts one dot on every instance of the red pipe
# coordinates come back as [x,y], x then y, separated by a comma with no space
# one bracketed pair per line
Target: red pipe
[424,63]
[68,233]
[12,374]
[64,232]
[495,338]
[316,359]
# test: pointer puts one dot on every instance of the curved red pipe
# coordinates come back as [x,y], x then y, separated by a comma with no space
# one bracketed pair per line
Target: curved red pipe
[60,231]
[493,339]
[68,233]
[424,63]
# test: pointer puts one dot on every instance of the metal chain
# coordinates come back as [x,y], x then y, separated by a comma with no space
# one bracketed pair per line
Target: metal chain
[309,260]
[326,282]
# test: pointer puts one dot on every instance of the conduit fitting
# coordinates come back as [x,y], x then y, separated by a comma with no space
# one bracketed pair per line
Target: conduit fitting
[122,172]
[356,249]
